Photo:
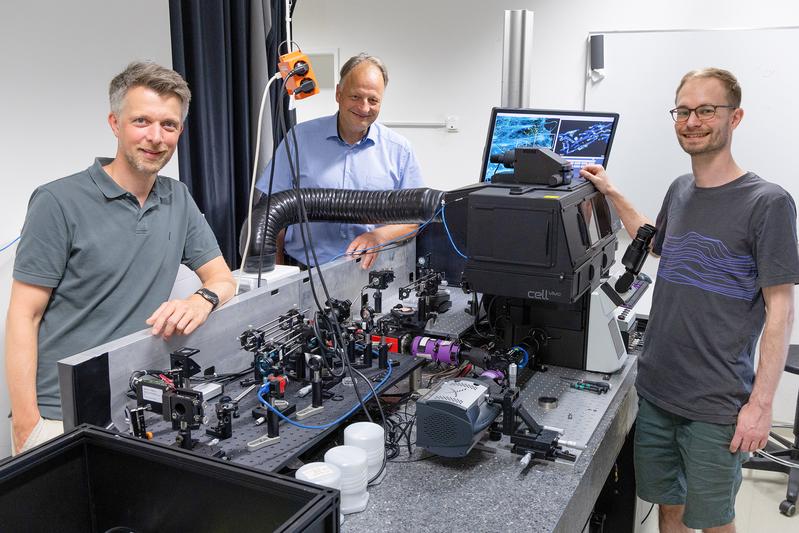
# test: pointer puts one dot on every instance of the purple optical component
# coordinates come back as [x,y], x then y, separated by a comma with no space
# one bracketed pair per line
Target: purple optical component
[438,350]
[493,374]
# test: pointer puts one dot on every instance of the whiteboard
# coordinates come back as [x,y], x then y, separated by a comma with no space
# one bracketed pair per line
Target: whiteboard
[642,71]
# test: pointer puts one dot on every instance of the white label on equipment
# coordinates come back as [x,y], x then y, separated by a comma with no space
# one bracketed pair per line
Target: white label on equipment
[317,472]
[152,394]
[461,393]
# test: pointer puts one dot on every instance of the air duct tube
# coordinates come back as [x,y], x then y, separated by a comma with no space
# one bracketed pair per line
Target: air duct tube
[405,206]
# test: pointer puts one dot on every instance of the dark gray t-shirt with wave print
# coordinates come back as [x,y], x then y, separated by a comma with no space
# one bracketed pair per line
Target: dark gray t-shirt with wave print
[719,247]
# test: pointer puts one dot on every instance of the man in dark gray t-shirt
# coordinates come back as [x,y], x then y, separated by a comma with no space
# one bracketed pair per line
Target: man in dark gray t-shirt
[719,247]
[100,251]
[729,262]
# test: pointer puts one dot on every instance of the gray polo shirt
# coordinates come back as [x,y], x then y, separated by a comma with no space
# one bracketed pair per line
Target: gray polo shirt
[110,262]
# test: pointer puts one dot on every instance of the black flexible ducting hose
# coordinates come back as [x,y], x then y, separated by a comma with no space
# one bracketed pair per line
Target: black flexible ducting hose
[405,206]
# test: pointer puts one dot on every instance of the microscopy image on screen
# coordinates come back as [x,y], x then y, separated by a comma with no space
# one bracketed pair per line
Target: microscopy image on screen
[513,131]
[581,138]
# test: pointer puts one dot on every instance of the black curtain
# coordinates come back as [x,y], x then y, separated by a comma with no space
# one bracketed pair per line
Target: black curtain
[226,50]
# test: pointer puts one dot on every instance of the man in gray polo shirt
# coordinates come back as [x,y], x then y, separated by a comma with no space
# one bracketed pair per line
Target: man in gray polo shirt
[729,262]
[100,251]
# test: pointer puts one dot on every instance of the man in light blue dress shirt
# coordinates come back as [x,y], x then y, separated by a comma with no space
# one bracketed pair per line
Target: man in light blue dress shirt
[348,150]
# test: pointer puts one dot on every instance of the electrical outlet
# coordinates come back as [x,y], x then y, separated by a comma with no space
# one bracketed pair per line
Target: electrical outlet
[452,123]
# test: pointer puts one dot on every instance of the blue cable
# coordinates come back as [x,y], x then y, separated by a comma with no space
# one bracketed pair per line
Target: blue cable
[9,244]
[343,417]
[410,233]
[393,241]
[526,356]
[446,228]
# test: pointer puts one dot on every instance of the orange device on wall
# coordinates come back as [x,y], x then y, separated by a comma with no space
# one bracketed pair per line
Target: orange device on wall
[302,82]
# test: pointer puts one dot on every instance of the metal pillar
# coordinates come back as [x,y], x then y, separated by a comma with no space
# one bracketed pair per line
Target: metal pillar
[517,55]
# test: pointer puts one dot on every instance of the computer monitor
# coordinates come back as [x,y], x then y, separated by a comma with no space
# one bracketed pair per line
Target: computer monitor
[581,137]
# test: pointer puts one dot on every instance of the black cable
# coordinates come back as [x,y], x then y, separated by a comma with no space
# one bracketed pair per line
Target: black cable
[338,341]
[307,243]
[305,221]
[223,378]
[379,407]
[399,426]
[319,338]
[363,289]
[393,437]
[384,248]
[648,513]
[278,102]
[295,182]
[400,429]
[491,326]
[278,107]
[281,123]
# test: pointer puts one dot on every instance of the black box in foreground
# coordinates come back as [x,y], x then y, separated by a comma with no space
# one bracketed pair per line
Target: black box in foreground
[92,480]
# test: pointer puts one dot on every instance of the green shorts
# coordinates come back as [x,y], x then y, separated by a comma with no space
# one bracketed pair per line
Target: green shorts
[685,462]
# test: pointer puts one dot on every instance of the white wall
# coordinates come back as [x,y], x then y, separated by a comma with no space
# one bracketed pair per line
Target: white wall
[444,57]
[562,27]
[56,62]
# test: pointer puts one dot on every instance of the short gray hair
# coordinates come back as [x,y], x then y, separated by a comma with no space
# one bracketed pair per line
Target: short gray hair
[354,61]
[163,81]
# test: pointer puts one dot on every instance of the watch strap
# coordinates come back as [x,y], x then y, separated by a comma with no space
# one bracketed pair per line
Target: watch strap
[209,296]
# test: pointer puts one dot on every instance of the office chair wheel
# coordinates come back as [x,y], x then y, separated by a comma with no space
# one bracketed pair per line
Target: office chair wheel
[787,508]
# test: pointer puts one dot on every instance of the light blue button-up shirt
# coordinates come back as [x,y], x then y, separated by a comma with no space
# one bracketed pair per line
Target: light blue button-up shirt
[382,160]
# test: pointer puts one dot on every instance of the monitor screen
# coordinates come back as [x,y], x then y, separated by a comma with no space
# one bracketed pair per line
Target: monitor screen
[581,137]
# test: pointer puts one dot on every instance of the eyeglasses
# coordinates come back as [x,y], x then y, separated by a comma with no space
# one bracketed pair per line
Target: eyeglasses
[703,112]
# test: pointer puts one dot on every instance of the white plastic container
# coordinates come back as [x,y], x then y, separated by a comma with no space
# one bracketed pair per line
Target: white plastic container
[372,439]
[352,463]
[323,474]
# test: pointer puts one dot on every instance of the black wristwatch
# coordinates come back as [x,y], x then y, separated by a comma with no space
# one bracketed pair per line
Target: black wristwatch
[210,296]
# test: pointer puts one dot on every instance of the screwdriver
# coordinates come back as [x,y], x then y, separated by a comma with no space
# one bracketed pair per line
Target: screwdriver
[601,384]
[587,387]
[599,387]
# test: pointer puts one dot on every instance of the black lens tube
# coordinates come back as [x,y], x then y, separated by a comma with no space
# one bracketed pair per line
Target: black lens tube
[634,257]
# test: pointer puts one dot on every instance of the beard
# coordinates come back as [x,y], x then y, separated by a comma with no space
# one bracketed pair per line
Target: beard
[145,166]
[715,141]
